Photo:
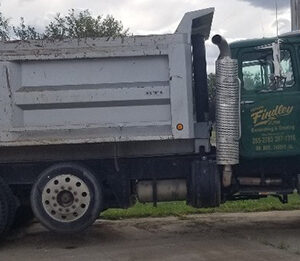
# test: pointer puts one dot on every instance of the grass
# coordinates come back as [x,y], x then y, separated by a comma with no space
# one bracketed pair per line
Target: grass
[180,209]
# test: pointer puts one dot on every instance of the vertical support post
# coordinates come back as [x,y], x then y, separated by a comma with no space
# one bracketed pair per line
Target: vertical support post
[200,77]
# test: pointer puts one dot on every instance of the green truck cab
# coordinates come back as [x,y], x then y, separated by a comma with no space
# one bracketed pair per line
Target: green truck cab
[270,122]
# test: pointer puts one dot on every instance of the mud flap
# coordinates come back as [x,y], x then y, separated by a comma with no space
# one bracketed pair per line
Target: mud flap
[204,185]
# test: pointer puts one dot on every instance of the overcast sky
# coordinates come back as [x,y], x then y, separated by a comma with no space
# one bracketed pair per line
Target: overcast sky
[235,19]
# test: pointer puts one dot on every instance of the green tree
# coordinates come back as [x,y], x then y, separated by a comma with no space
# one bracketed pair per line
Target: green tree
[4,28]
[76,24]
[25,32]
[82,24]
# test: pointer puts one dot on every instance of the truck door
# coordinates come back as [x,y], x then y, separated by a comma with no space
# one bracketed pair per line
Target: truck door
[269,114]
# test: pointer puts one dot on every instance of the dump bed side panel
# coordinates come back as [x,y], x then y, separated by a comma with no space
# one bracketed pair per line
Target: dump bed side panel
[96,90]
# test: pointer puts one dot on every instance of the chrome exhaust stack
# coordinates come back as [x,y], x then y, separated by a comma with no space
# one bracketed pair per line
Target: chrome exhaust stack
[227,109]
[223,46]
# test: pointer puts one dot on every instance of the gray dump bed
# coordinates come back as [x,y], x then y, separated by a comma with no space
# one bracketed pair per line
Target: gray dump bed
[98,90]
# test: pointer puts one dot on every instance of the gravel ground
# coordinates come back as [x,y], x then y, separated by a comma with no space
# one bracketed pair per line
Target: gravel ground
[243,236]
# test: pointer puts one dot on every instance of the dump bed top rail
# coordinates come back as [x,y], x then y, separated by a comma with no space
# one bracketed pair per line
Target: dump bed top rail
[88,47]
[196,22]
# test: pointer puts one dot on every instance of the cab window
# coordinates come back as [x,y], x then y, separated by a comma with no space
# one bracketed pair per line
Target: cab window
[287,68]
[258,70]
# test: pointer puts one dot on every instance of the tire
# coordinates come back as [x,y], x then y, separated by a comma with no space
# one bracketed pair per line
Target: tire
[66,198]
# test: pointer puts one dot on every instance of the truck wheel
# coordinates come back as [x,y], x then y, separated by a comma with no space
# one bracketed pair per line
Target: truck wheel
[66,198]
[204,185]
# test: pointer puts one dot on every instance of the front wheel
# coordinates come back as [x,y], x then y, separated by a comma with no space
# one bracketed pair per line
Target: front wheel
[66,198]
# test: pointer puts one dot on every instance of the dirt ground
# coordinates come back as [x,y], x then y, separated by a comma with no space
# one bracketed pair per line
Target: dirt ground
[251,236]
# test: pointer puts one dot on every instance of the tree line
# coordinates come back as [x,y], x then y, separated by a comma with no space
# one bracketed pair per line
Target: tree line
[76,24]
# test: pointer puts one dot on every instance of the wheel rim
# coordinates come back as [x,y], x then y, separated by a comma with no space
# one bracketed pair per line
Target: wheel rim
[66,198]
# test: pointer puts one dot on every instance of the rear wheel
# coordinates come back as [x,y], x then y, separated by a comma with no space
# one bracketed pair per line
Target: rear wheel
[66,198]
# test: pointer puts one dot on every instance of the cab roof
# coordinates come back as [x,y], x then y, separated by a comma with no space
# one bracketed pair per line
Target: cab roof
[291,37]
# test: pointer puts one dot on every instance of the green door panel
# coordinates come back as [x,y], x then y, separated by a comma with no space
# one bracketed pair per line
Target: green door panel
[270,117]
[270,125]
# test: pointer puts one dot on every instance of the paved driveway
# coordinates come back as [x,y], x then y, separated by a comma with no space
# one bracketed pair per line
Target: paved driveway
[251,236]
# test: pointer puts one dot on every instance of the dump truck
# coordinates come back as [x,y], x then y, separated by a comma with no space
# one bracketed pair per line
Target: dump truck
[92,124]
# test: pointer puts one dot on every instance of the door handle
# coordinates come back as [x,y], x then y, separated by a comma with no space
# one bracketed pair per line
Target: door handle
[247,102]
